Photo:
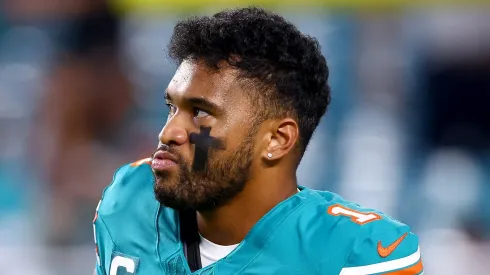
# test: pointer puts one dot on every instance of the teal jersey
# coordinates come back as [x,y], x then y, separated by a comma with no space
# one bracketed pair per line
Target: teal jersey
[312,232]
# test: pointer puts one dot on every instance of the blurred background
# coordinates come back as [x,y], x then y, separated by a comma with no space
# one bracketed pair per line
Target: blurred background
[408,132]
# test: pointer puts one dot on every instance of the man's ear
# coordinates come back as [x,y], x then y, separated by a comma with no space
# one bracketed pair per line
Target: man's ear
[283,136]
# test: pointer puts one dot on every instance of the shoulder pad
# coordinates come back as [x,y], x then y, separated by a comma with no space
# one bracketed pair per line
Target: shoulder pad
[128,204]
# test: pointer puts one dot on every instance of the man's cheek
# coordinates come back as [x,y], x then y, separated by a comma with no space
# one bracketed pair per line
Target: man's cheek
[203,144]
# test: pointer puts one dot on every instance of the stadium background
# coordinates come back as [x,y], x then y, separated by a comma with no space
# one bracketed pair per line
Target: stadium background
[408,132]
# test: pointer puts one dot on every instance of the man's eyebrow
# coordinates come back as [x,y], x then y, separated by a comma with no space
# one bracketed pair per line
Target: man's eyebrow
[197,101]
[204,103]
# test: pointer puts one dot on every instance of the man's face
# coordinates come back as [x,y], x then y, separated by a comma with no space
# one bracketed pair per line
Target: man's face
[198,97]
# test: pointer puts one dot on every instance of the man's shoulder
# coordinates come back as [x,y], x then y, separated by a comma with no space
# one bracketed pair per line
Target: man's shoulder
[129,222]
[132,183]
[365,236]
[128,202]
[353,218]
[131,177]
[348,214]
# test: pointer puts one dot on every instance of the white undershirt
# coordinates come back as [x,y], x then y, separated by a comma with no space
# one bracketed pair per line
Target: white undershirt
[211,252]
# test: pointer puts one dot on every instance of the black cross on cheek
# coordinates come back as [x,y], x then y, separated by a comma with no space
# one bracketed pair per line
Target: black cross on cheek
[203,142]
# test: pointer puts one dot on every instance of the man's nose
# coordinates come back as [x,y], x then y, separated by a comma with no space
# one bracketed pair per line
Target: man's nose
[173,133]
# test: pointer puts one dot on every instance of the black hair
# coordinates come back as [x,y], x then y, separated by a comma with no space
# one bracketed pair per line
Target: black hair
[268,50]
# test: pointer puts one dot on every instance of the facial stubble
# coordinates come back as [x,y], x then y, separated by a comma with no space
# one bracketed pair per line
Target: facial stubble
[214,186]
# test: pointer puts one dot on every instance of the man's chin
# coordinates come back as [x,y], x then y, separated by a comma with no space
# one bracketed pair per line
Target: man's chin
[163,184]
[166,178]
[174,197]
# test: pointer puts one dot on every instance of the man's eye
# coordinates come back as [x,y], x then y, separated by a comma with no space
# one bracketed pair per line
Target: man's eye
[171,109]
[199,113]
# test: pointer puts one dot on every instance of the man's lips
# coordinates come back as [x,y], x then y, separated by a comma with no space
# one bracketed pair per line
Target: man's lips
[163,160]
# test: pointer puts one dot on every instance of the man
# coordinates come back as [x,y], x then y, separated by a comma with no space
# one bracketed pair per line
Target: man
[220,194]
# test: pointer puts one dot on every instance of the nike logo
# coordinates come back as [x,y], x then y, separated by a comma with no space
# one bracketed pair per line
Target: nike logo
[386,251]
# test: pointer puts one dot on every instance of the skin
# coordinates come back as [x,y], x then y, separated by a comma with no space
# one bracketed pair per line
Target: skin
[261,182]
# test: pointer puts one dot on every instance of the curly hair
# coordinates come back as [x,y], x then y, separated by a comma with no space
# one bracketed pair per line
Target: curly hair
[286,66]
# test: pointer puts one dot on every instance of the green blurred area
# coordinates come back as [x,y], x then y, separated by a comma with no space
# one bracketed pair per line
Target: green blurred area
[166,6]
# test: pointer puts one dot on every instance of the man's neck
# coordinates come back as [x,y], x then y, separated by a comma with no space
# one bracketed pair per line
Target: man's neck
[230,223]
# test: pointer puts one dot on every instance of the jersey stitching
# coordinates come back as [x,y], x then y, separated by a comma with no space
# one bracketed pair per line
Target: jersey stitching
[178,254]
[109,233]
[158,239]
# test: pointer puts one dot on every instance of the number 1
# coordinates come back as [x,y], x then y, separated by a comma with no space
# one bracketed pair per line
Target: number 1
[356,216]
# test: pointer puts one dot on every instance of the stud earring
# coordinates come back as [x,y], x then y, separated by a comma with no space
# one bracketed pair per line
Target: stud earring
[269,155]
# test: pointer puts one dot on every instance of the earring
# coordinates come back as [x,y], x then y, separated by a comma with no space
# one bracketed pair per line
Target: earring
[269,155]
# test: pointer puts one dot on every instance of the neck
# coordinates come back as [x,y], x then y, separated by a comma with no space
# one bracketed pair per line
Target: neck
[230,223]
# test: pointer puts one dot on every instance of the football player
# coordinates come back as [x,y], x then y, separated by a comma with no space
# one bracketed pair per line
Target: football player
[220,194]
